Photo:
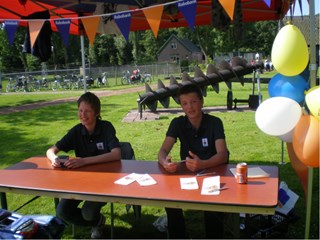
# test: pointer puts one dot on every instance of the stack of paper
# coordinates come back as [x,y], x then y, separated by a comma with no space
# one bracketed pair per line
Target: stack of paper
[211,185]
[142,179]
[189,183]
[253,172]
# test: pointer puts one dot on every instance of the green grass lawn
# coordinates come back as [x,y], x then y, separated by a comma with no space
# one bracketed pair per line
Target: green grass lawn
[30,133]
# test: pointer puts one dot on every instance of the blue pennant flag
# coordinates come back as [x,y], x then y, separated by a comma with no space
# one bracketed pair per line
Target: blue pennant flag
[188,9]
[268,2]
[123,21]
[11,28]
[63,26]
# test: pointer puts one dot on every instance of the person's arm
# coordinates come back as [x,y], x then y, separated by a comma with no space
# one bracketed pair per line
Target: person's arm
[163,155]
[114,155]
[52,156]
[194,163]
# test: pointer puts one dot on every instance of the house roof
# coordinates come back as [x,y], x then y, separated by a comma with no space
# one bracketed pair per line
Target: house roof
[303,23]
[185,42]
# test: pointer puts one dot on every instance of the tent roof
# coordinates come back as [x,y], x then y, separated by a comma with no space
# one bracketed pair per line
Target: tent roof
[252,10]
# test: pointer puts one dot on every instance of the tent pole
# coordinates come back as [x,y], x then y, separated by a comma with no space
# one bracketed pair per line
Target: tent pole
[313,71]
[312,47]
[83,63]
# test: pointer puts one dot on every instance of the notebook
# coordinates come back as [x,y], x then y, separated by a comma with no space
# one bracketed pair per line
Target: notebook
[253,172]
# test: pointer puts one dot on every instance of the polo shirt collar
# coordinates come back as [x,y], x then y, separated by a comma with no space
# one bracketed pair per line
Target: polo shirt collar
[97,129]
[202,125]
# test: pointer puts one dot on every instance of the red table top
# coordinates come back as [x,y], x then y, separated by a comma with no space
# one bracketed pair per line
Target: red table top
[96,182]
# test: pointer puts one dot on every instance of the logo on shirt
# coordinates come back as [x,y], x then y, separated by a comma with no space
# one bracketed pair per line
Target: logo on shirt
[205,142]
[100,146]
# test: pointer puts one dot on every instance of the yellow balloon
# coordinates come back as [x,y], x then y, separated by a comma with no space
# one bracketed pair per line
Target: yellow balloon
[289,52]
[313,101]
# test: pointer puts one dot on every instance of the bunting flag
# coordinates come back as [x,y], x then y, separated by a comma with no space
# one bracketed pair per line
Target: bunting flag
[268,2]
[10,27]
[153,16]
[91,25]
[34,30]
[188,10]
[300,5]
[123,20]
[63,26]
[228,6]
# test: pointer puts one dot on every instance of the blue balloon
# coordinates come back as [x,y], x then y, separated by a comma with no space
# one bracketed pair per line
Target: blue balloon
[285,86]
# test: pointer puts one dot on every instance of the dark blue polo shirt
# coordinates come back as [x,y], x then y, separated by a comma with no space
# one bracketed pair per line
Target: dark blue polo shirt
[103,140]
[201,141]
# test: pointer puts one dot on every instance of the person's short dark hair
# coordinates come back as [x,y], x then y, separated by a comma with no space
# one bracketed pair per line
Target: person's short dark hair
[93,100]
[190,88]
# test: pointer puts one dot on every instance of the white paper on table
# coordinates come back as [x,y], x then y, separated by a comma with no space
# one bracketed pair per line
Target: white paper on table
[209,186]
[146,180]
[128,179]
[189,183]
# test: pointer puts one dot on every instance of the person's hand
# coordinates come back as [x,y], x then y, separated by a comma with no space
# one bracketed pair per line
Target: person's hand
[169,166]
[193,163]
[56,163]
[74,163]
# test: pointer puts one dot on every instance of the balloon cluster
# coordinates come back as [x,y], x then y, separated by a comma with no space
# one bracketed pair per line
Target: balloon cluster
[281,115]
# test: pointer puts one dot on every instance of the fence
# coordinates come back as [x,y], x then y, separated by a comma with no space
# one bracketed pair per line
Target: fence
[116,72]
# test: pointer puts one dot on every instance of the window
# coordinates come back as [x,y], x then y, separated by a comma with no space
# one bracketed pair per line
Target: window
[174,45]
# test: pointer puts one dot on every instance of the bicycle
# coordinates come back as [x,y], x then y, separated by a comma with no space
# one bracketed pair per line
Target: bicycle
[21,84]
[103,80]
[125,77]
[59,83]
[146,77]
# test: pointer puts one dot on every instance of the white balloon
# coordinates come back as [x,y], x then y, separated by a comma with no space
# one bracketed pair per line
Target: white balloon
[278,116]
[288,137]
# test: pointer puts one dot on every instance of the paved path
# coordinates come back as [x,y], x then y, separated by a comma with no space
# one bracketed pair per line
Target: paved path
[132,116]
[64,100]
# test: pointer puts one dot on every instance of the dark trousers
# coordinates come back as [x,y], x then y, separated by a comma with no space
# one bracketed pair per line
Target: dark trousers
[88,215]
[214,224]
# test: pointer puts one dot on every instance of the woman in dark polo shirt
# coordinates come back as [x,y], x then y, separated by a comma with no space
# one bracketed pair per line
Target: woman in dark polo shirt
[93,141]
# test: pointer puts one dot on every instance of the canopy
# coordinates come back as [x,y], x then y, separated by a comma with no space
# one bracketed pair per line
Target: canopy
[252,10]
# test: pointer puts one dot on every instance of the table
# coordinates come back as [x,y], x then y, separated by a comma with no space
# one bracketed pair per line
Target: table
[36,176]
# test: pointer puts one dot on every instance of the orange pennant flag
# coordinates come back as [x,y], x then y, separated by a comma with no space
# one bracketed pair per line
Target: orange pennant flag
[228,6]
[34,30]
[300,169]
[153,16]
[90,24]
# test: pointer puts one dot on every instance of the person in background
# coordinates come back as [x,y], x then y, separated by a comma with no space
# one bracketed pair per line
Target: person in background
[93,141]
[202,145]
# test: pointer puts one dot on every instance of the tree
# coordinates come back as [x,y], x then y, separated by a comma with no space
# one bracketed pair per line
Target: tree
[12,57]
[105,50]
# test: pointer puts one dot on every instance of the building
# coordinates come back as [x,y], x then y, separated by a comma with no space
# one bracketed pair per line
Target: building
[176,50]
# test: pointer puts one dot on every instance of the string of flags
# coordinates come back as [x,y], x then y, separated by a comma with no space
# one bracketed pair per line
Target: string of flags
[122,19]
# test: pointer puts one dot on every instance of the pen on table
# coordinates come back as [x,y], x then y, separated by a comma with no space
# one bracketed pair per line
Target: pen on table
[205,174]
[218,189]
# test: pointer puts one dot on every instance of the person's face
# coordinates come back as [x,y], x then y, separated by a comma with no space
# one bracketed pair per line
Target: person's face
[86,114]
[191,105]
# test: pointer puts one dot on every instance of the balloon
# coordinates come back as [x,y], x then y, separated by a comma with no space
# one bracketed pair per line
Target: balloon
[313,101]
[287,137]
[278,115]
[289,53]
[306,140]
[290,87]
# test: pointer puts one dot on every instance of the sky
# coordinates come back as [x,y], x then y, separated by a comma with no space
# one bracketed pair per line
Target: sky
[305,8]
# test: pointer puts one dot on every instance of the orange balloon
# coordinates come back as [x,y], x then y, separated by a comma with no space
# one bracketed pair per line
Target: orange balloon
[306,140]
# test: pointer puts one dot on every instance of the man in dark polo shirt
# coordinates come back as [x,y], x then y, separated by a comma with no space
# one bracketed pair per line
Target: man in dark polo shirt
[93,141]
[202,145]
